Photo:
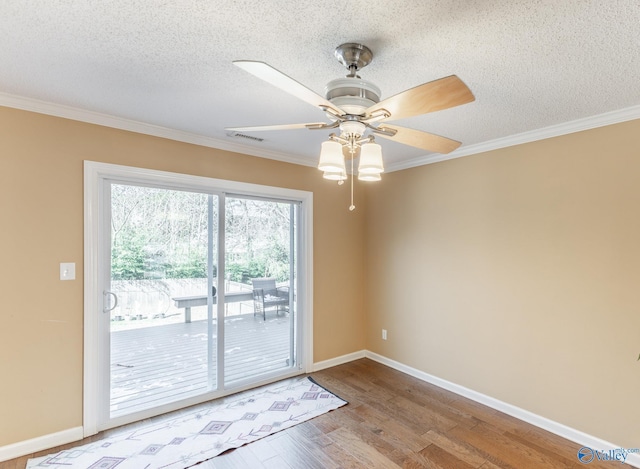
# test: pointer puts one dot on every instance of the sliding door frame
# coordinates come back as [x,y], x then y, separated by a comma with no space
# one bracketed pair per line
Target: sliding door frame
[95,176]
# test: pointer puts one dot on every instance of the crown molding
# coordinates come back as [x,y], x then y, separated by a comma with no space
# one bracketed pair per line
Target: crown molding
[106,120]
[578,125]
[73,113]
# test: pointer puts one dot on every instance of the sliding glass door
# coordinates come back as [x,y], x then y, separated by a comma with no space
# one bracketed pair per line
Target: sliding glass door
[163,247]
[260,254]
[198,295]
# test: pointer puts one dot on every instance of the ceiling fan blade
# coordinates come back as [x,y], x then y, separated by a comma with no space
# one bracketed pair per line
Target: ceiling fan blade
[429,97]
[419,139]
[259,128]
[280,80]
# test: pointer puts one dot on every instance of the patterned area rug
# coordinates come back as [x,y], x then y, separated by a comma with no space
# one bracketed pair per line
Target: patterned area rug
[191,438]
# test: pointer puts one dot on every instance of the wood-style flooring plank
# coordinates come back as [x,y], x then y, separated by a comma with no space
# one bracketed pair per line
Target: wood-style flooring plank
[466,453]
[298,454]
[501,449]
[433,402]
[443,458]
[366,454]
[486,414]
[490,465]
[392,430]
[341,457]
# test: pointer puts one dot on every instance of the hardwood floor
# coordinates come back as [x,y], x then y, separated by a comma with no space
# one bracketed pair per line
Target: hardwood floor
[394,420]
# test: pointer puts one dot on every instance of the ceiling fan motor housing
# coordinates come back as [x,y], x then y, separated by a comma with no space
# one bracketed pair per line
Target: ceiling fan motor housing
[352,95]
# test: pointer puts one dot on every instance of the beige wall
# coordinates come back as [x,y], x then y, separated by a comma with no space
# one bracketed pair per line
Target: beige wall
[516,273]
[41,211]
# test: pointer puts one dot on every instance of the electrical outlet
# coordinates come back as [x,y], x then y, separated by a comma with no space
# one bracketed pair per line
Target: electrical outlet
[384,334]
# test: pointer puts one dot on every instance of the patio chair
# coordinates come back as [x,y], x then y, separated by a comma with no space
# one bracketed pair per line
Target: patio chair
[267,295]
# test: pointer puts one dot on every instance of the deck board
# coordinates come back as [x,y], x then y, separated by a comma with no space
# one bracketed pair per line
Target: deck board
[152,366]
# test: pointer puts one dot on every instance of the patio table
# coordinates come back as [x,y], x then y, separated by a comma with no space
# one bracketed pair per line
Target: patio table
[188,302]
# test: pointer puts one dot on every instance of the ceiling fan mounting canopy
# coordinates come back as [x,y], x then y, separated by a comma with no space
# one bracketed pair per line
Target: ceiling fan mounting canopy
[354,56]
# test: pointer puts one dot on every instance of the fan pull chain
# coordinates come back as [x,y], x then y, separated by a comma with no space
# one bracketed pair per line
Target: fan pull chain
[352,207]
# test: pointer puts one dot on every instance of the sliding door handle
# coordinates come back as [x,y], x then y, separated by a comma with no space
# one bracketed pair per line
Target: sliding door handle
[106,309]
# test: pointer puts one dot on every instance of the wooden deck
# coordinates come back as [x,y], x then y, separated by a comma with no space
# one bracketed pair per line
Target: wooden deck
[152,366]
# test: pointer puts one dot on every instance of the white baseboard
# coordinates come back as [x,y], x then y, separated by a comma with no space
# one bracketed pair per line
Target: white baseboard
[339,360]
[75,434]
[40,443]
[559,429]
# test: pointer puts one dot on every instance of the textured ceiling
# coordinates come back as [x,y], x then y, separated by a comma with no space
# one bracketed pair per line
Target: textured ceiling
[531,64]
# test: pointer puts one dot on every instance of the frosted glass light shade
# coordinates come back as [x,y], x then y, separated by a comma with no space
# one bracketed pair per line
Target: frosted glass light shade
[370,159]
[331,159]
[335,175]
[369,176]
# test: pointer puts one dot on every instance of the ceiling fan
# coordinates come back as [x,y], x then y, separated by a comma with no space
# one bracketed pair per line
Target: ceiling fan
[353,105]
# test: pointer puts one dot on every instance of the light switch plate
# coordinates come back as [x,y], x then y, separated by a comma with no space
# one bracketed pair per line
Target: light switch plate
[67,271]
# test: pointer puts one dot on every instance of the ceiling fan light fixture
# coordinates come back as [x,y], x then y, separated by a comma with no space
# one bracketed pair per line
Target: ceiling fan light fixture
[370,159]
[335,175]
[331,159]
[369,177]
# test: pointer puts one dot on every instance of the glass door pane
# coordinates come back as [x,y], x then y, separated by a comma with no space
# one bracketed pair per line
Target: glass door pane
[260,288]
[162,321]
